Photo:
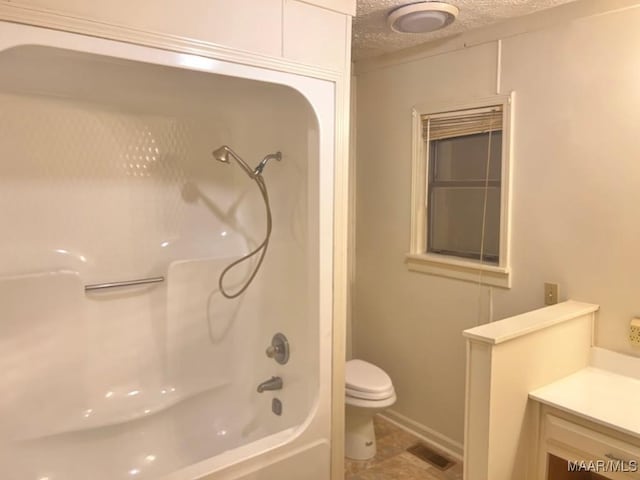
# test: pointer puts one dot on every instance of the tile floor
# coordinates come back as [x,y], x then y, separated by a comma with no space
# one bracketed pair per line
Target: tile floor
[393,462]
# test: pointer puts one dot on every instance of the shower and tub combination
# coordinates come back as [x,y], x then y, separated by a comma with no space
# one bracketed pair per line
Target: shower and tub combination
[162,313]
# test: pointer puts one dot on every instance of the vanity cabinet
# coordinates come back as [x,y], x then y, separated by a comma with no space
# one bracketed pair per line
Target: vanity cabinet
[544,403]
[571,447]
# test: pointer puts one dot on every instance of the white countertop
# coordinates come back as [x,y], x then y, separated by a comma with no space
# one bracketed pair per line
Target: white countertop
[607,397]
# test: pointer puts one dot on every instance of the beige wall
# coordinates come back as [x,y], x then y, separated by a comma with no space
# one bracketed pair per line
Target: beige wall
[575,178]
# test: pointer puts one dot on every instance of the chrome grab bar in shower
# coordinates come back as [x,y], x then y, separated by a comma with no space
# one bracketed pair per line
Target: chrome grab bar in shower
[126,283]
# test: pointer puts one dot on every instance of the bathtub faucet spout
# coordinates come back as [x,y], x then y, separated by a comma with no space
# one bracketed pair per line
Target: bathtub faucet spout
[274,383]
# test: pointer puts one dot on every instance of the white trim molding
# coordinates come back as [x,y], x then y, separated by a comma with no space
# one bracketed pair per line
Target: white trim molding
[441,442]
[417,259]
[452,267]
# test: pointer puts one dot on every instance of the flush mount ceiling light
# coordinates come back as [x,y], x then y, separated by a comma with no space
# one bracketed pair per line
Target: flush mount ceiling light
[422,17]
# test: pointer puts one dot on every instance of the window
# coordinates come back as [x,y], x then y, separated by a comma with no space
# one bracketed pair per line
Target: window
[460,191]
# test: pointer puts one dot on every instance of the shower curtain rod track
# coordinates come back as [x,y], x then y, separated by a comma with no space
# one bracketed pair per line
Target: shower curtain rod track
[125,283]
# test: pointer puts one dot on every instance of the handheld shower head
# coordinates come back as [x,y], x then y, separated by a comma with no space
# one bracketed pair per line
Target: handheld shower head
[223,153]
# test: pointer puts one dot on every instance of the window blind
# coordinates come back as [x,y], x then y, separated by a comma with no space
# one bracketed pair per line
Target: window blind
[462,122]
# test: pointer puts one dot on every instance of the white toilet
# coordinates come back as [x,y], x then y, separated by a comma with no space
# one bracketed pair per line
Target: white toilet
[368,391]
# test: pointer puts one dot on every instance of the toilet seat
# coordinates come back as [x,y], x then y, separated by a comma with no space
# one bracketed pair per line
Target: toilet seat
[369,396]
[373,405]
[367,382]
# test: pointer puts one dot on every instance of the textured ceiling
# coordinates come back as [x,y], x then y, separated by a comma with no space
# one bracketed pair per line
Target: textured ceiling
[372,36]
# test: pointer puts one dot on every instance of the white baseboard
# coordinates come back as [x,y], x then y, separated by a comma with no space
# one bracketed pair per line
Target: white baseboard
[430,436]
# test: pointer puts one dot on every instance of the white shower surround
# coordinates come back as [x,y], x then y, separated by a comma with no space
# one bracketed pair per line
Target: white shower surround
[308,398]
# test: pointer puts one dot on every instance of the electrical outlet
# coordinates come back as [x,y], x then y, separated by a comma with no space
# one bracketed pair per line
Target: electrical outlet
[634,332]
[550,293]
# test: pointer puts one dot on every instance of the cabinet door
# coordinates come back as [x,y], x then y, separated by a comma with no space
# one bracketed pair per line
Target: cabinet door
[560,469]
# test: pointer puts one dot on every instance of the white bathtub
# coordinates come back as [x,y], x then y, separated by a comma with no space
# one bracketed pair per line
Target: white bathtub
[106,175]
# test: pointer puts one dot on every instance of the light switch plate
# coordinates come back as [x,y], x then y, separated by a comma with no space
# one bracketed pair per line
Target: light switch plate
[550,293]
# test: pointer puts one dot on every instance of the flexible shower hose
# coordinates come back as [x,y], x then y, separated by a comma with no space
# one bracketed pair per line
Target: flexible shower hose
[262,248]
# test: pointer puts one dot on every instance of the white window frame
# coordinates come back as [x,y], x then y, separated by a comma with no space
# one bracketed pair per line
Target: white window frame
[417,258]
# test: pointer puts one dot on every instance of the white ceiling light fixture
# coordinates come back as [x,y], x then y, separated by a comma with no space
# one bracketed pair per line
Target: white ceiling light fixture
[422,17]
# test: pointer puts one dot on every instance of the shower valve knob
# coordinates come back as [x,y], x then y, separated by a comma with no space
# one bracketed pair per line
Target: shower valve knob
[272,351]
[279,349]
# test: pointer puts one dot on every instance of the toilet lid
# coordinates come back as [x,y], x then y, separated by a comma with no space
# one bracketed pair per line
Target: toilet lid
[362,376]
